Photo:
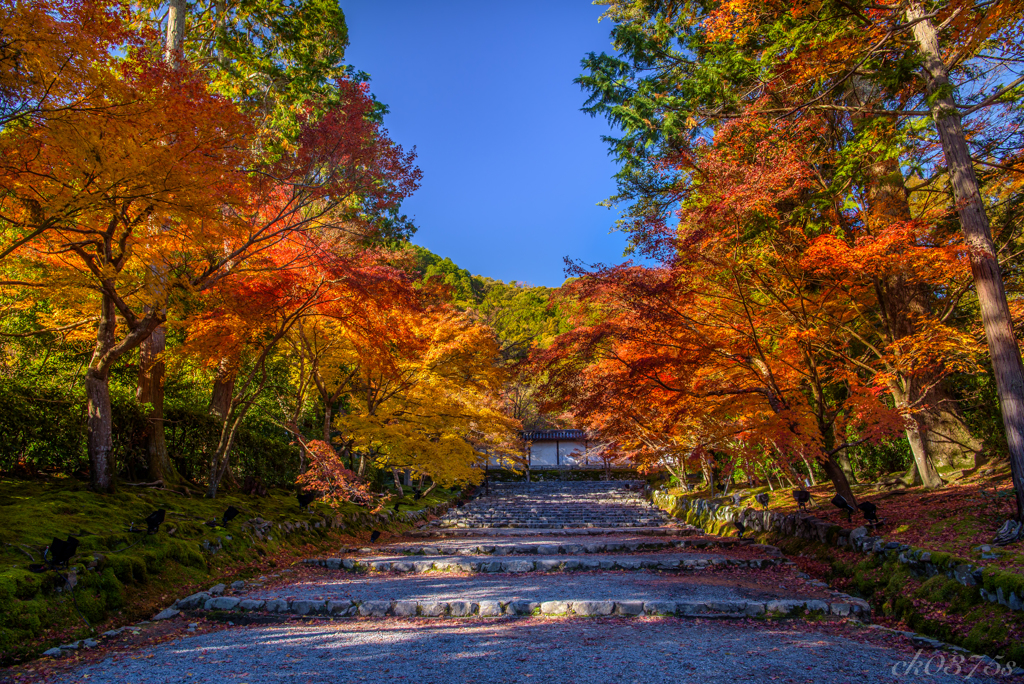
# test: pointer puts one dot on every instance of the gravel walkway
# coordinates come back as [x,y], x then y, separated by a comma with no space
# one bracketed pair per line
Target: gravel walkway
[564,651]
[597,586]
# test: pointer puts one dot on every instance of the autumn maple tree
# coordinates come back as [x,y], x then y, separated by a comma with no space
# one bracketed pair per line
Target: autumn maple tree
[851,86]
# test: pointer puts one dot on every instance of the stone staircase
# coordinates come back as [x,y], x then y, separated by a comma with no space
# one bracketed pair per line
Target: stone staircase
[528,549]
[559,505]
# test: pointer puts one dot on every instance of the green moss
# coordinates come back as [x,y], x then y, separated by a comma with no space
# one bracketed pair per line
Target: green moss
[1007,581]
[185,553]
[118,570]
[942,589]
[18,584]
[989,629]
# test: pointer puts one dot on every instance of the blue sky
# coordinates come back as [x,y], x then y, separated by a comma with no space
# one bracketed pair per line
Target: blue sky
[512,169]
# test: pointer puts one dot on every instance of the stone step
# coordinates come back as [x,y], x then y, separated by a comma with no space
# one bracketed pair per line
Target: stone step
[568,547]
[675,530]
[522,564]
[520,607]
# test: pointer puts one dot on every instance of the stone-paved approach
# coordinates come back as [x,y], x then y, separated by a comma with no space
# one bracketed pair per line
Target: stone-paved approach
[696,610]
[560,650]
[559,506]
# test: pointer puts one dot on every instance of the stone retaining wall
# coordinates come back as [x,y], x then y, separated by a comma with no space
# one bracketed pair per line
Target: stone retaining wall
[996,586]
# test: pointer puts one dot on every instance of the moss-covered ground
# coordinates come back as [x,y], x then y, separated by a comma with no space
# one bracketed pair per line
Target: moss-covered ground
[957,519]
[939,607]
[122,576]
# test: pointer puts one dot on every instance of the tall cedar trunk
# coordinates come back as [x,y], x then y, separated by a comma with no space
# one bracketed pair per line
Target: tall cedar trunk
[97,391]
[150,391]
[988,282]
[898,300]
[175,40]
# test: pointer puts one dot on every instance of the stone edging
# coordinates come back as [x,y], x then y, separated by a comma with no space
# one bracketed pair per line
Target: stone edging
[845,607]
[708,515]
[552,549]
[552,531]
[540,565]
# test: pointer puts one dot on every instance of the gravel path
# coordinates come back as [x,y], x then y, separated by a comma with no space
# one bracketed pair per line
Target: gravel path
[568,650]
[597,586]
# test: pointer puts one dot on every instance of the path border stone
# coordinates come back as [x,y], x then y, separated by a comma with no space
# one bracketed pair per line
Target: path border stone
[842,606]
[546,565]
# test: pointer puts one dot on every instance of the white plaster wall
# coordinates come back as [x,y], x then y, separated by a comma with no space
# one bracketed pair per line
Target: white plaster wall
[543,453]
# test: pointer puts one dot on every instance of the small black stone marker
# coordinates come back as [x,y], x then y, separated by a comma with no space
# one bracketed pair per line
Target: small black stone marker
[305,498]
[60,552]
[840,502]
[398,502]
[229,515]
[762,499]
[870,511]
[154,520]
[741,528]
[802,497]
[374,536]
[417,496]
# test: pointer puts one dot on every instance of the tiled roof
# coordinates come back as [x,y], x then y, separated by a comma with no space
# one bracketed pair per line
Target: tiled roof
[554,435]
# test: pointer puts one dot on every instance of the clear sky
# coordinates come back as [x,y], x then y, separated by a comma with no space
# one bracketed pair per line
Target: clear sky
[512,169]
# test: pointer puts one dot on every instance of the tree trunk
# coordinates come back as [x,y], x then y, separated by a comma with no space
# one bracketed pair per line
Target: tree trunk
[398,482]
[843,459]
[949,440]
[328,415]
[150,390]
[221,401]
[839,481]
[988,282]
[100,427]
[925,470]
[175,41]
[97,391]
[223,388]
[810,471]
[221,456]
[888,202]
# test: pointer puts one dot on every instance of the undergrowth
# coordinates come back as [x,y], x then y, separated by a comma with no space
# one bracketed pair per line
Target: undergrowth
[122,576]
[939,607]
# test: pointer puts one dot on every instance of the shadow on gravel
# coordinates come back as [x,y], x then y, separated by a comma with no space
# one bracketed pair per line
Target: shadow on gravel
[592,651]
